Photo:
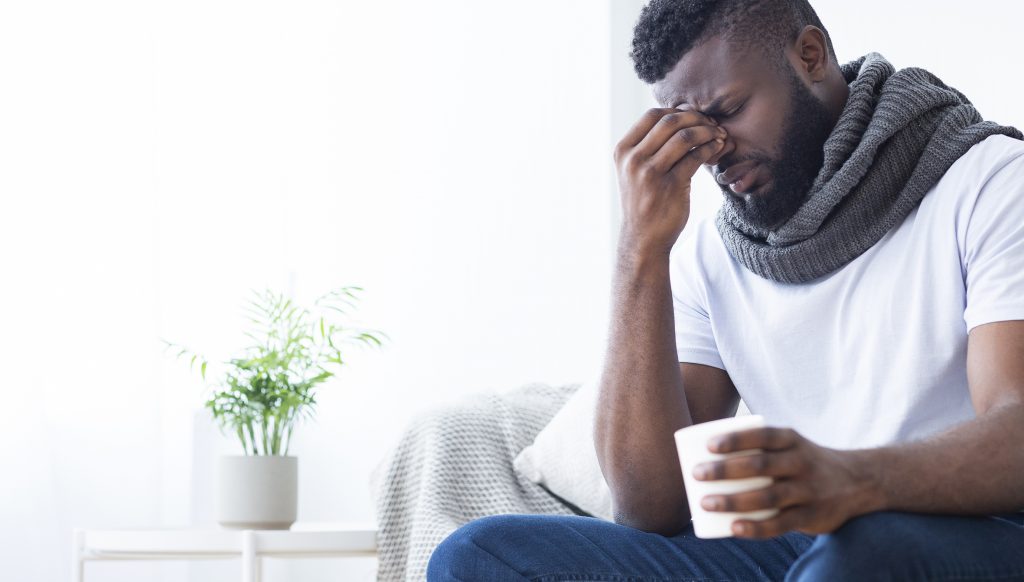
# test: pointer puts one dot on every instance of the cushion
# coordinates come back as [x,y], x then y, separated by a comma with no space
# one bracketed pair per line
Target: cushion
[562,458]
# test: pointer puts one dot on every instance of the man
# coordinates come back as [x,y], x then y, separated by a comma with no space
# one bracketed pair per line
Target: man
[862,288]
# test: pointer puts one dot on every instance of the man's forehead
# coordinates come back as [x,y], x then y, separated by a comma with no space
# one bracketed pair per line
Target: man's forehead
[701,98]
[706,72]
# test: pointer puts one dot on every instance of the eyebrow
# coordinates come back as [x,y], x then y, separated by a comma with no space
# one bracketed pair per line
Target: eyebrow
[715,107]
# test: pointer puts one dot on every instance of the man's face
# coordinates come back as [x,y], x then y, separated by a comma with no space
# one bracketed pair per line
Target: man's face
[776,127]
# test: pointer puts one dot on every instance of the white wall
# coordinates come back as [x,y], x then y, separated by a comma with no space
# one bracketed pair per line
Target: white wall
[158,159]
[972,46]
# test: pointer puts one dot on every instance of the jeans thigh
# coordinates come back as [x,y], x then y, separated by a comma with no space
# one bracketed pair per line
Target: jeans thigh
[907,547]
[546,548]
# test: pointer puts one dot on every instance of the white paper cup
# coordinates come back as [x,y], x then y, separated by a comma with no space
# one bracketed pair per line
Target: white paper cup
[692,444]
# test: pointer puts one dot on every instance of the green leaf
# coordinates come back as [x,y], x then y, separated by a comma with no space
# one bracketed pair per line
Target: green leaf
[273,382]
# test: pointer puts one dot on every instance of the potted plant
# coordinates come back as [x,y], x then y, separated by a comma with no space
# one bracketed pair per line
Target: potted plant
[263,393]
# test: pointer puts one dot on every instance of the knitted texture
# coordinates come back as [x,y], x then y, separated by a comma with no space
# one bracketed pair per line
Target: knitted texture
[453,465]
[897,135]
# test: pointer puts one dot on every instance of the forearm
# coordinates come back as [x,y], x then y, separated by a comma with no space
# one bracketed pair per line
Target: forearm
[641,400]
[974,468]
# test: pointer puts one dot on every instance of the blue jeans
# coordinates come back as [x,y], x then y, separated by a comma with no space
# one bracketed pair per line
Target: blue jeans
[902,547]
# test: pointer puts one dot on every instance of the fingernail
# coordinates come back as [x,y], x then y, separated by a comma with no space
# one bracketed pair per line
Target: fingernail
[740,528]
[716,444]
[711,503]
[700,472]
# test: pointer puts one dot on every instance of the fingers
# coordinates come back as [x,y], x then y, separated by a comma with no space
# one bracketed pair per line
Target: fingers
[682,142]
[671,125]
[787,520]
[640,129]
[655,128]
[691,161]
[779,495]
[768,464]
[768,438]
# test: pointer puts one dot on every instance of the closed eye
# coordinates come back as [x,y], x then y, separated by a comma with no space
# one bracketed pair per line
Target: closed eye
[736,111]
[717,115]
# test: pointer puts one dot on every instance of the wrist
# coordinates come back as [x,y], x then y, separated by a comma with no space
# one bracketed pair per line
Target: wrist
[636,249]
[870,494]
[642,264]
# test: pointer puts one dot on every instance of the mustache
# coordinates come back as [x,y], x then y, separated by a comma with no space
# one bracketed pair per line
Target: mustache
[757,158]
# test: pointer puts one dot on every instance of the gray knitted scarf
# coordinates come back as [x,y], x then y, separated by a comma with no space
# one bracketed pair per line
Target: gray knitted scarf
[897,135]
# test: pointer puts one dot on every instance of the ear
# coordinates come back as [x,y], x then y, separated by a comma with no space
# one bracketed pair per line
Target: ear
[811,53]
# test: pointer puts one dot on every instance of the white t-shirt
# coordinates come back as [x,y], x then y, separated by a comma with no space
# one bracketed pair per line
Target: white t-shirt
[876,352]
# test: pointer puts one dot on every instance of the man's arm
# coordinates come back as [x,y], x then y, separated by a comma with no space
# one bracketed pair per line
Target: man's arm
[974,468]
[978,466]
[645,397]
[642,399]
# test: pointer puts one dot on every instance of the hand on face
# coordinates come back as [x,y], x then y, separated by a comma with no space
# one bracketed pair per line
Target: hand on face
[816,489]
[655,161]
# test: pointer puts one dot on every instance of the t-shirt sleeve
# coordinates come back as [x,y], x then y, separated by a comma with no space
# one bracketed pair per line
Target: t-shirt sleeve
[994,249]
[695,340]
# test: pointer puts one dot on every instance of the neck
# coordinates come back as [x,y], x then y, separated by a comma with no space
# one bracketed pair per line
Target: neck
[837,93]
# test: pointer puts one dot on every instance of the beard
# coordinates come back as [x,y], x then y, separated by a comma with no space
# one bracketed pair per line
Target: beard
[801,155]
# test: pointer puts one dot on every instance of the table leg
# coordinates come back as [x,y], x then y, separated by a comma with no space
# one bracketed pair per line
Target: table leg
[77,563]
[250,562]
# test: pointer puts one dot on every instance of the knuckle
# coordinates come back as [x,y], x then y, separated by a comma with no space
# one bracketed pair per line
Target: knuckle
[759,463]
[800,463]
[645,172]
[803,493]
[770,497]
[654,114]
[718,470]
[669,119]
[630,163]
[687,134]
[619,152]
[727,443]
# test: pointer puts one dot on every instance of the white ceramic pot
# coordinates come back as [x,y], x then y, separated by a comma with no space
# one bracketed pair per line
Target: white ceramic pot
[257,491]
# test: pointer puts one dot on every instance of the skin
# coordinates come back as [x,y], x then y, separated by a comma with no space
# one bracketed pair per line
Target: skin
[645,395]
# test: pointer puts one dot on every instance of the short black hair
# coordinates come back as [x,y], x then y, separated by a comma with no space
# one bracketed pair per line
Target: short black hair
[667,29]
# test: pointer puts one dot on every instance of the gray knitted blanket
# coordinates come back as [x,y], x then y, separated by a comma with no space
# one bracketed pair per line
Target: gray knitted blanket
[897,135]
[454,465]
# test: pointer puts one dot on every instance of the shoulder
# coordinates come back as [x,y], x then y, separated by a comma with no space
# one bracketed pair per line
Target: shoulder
[984,167]
[984,160]
[991,233]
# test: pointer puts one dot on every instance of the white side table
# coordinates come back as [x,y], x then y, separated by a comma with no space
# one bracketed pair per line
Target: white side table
[313,540]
